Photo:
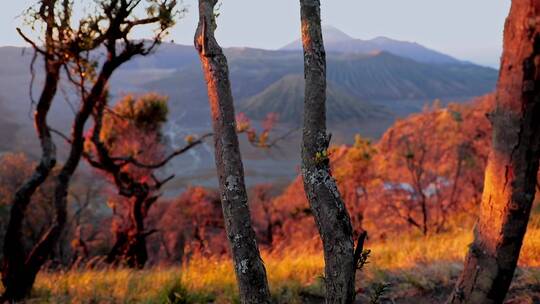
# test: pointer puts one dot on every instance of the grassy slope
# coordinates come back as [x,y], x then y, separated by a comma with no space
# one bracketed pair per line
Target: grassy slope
[418,269]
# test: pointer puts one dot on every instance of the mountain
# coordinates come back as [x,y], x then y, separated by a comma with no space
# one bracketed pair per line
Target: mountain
[339,42]
[403,84]
[286,96]
[397,84]
[174,70]
[366,93]
[334,35]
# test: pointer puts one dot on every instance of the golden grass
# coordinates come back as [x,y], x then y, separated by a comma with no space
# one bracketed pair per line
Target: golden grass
[105,286]
[420,261]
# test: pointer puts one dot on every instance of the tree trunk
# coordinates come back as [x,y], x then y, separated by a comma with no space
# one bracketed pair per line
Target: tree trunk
[249,268]
[136,254]
[17,282]
[511,173]
[129,249]
[130,245]
[331,216]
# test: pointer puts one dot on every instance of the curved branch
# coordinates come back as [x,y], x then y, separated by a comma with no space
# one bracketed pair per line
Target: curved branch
[167,159]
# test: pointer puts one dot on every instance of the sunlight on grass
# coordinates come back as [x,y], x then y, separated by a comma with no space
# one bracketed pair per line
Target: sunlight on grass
[413,260]
[107,286]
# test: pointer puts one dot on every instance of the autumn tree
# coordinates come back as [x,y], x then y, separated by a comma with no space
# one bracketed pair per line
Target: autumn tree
[328,208]
[430,168]
[511,174]
[131,128]
[127,145]
[354,170]
[69,47]
[249,269]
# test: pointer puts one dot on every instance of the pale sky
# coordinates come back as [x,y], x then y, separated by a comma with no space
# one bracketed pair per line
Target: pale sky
[466,29]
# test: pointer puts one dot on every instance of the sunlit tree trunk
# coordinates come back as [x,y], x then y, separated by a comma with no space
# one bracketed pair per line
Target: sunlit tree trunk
[331,216]
[511,173]
[249,268]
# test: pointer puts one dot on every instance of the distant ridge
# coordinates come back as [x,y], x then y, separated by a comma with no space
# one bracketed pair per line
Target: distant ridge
[357,82]
[337,41]
[367,91]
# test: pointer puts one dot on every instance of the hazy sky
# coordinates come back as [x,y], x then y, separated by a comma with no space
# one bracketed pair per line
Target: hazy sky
[467,29]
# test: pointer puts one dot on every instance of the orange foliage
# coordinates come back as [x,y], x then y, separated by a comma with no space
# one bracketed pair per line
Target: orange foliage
[436,158]
[191,225]
[431,166]
[133,128]
[439,153]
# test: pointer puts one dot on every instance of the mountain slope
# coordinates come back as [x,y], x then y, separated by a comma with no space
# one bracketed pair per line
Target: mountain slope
[286,97]
[384,76]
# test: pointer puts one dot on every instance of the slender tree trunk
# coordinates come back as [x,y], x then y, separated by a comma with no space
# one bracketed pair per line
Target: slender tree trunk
[331,216]
[249,268]
[511,173]
[15,276]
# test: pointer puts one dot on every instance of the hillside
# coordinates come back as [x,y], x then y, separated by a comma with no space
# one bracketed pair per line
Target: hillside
[286,96]
[384,76]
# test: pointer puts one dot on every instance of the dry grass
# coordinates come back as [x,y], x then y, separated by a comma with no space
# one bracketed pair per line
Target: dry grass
[412,264]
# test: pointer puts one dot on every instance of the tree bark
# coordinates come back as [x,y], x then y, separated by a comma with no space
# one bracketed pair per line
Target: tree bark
[511,174]
[331,216]
[249,268]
